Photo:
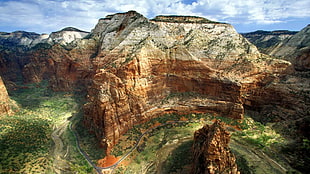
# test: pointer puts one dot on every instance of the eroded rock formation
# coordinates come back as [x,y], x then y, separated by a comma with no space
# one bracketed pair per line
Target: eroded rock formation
[146,66]
[136,69]
[4,99]
[290,94]
[211,153]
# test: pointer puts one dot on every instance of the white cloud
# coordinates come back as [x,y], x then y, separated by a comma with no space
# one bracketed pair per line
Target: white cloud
[52,15]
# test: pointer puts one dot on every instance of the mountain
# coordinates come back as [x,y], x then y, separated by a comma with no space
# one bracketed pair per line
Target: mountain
[31,39]
[21,39]
[66,36]
[136,69]
[133,69]
[264,40]
[142,62]
[17,48]
[288,45]
[295,49]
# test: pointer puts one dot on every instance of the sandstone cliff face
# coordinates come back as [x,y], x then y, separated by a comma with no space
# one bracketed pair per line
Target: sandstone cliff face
[141,63]
[66,69]
[137,69]
[285,98]
[31,54]
[4,99]
[211,151]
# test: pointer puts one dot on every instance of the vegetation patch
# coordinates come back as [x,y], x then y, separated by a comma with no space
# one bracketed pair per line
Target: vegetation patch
[179,158]
[25,138]
[259,135]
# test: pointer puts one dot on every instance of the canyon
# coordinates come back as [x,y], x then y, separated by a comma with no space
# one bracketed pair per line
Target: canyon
[133,69]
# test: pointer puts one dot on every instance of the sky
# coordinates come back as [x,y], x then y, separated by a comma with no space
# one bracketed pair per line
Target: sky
[46,16]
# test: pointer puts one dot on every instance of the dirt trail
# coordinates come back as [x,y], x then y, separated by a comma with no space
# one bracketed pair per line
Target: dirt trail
[257,159]
[59,164]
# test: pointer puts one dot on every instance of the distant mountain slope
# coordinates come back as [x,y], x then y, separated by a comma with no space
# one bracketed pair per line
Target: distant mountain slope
[20,39]
[16,48]
[264,40]
[295,49]
[23,39]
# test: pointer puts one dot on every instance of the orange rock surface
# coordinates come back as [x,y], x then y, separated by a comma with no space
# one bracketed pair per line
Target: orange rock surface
[135,69]
[107,161]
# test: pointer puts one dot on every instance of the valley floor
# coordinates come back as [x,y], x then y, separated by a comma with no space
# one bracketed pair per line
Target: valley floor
[37,139]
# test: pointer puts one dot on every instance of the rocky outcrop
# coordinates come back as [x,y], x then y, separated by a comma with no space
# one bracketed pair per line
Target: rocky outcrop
[266,40]
[211,153]
[66,36]
[4,99]
[147,67]
[182,19]
[14,52]
[295,49]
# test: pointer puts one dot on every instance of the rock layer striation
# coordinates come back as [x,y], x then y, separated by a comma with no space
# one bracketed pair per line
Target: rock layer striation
[145,68]
[135,69]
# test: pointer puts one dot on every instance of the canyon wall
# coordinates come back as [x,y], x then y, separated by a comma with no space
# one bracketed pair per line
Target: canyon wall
[286,99]
[31,57]
[135,69]
[183,64]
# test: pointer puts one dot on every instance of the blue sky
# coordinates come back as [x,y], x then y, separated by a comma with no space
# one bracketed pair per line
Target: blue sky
[45,16]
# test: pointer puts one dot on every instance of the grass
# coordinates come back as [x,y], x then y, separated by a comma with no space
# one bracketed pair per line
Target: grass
[179,158]
[153,147]
[25,137]
[259,135]
[77,162]
[25,143]
[88,142]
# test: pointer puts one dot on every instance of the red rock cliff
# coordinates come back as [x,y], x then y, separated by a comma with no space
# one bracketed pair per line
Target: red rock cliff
[136,69]
[145,68]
